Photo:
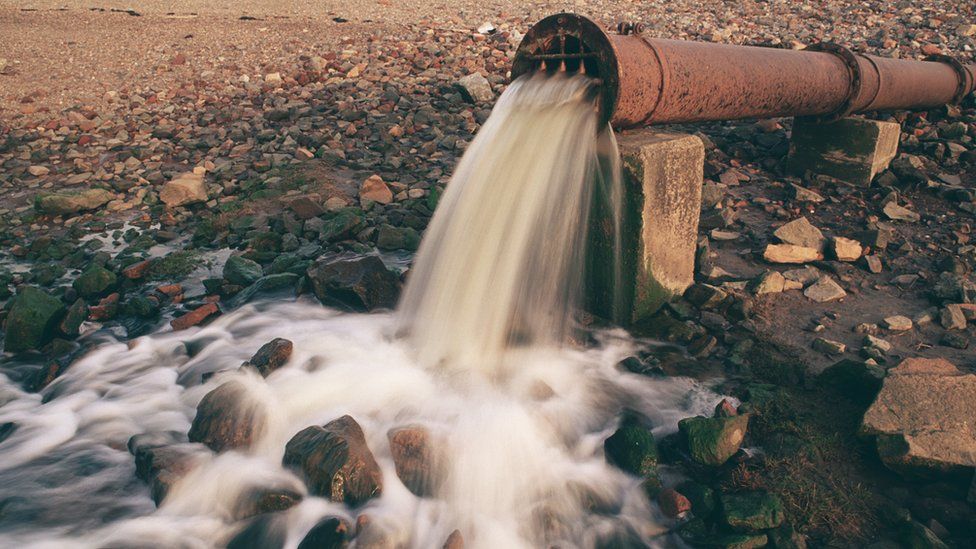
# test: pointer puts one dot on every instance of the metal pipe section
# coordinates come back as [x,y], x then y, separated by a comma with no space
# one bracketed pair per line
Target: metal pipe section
[656,81]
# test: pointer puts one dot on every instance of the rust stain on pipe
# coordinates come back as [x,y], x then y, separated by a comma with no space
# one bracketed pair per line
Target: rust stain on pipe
[656,81]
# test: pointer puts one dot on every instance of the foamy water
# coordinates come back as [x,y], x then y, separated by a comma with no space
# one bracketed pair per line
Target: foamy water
[480,354]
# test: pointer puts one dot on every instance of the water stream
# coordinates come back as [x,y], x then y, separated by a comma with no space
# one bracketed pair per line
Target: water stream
[485,352]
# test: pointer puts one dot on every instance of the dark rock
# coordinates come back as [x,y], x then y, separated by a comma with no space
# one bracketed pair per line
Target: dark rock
[264,285]
[264,532]
[242,271]
[95,281]
[336,461]
[785,537]
[32,320]
[397,238]
[362,283]
[414,458]
[227,418]
[858,380]
[162,459]
[329,533]
[673,503]
[702,498]
[265,500]
[632,449]
[751,511]
[454,541]
[271,356]
[71,323]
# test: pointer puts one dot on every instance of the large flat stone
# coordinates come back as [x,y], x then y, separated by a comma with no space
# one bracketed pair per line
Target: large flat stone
[924,418]
[663,175]
[851,149]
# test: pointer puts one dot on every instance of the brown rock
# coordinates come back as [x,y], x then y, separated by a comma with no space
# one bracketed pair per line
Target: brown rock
[414,458]
[336,461]
[271,356]
[800,232]
[137,270]
[845,249]
[672,503]
[187,188]
[195,316]
[789,253]
[454,541]
[375,190]
[307,207]
[227,418]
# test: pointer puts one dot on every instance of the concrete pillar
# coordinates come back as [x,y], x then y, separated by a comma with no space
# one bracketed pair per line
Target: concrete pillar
[662,200]
[851,149]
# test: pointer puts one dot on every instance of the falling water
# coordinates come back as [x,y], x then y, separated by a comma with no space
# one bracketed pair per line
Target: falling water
[481,353]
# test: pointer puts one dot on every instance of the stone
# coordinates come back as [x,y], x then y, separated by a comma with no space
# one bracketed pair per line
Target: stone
[828,346]
[184,189]
[712,441]
[898,323]
[374,189]
[873,263]
[454,541]
[900,213]
[32,320]
[705,296]
[414,459]
[71,322]
[802,194]
[336,462]
[194,317]
[965,30]
[663,174]
[38,171]
[476,88]
[632,449]
[72,202]
[852,150]
[242,271]
[845,249]
[702,497]
[389,237]
[916,536]
[805,276]
[340,226]
[751,511]
[227,418]
[789,253]
[261,499]
[697,534]
[362,283]
[952,317]
[922,418]
[306,207]
[94,281]
[328,533]
[162,459]
[858,380]
[673,504]
[770,282]
[271,356]
[800,232]
[824,290]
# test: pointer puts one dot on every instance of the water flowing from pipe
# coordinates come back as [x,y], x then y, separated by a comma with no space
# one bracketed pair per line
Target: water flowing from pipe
[482,353]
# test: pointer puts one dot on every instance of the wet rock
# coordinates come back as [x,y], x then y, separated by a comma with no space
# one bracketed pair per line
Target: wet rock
[789,253]
[184,189]
[922,418]
[632,449]
[242,271]
[195,317]
[362,283]
[673,503]
[261,500]
[374,189]
[328,533]
[800,232]
[340,226]
[702,498]
[265,531]
[476,88]
[397,238]
[162,459]
[227,418]
[66,203]
[751,511]
[712,441]
[697,534]
[264,285]
[336,462]
[271,356]
[414,459]
[32,320]
[845,249]
[94,281]
[824,290]
[454,541]
[856,379]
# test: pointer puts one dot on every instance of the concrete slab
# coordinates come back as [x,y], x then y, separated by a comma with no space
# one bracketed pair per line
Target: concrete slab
[853,150]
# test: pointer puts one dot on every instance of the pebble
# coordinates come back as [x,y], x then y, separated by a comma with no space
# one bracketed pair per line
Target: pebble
[898,323]
[824,290]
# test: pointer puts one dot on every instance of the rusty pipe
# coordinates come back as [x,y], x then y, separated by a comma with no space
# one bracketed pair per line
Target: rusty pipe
[656,81]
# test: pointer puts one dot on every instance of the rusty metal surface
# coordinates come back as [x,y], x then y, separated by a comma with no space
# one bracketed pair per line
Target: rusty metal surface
[657,81]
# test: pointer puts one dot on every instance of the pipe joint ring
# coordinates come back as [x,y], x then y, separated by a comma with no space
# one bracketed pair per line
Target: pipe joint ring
[854,69]
[965,83]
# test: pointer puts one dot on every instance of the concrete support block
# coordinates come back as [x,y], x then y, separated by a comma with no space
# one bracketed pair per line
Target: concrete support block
[853,150]
[663,175]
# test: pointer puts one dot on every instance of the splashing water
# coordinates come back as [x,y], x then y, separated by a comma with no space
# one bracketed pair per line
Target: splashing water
[480,353]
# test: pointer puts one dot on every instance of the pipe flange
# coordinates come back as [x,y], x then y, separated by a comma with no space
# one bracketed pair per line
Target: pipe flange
[965,82]
[854,70]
